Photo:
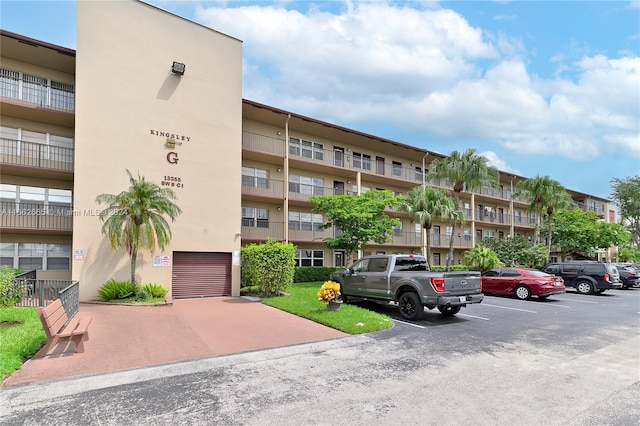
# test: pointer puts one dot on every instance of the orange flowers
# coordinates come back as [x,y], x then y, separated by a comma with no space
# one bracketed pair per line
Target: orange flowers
[329,292]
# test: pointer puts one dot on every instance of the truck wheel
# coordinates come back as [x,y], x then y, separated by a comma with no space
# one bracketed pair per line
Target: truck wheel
[584,287]
[449,311]
[522,292]
[410,306]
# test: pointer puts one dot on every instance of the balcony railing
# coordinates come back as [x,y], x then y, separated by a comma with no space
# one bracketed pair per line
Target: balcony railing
[35,216]
[263,143]
[264,187]
[36,90]
[36,155]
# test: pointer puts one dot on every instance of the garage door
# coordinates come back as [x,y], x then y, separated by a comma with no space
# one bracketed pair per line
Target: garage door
[198,274]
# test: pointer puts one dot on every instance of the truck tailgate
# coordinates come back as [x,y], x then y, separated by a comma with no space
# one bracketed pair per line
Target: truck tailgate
[462,282]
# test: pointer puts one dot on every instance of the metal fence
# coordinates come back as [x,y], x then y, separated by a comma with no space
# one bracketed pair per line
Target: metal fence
[39,293]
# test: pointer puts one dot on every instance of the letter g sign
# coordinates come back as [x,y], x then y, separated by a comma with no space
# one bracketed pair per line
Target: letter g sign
[172,157]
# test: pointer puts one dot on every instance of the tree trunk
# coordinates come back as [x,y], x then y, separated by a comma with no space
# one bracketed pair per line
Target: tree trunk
[450,259]
[549,237]
[134,255]
[428,254]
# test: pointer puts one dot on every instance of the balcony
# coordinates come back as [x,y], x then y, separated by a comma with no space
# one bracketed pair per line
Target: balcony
[262,188]
[35,217]
[36,98]
[31,155]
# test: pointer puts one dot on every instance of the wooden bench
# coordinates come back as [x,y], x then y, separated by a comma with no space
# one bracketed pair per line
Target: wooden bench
[53,319]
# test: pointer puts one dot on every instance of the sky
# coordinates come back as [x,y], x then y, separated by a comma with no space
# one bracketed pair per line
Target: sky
[540,88]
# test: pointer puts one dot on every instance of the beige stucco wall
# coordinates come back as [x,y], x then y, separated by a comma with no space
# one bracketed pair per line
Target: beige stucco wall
[126,96]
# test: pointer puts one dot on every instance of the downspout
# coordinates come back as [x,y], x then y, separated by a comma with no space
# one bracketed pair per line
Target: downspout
[286,179]
[424,231]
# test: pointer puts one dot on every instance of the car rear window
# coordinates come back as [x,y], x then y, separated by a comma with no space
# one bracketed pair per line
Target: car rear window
[411,264]
[595,268]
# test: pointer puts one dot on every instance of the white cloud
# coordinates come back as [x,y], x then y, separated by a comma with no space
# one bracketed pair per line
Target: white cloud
[429,69]
[498,163]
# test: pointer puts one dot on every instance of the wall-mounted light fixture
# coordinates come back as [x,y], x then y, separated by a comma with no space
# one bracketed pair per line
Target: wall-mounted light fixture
[348,181]
[348,149]
[279,208]
[178,68]
[412,164]
[279,133]
[279,169]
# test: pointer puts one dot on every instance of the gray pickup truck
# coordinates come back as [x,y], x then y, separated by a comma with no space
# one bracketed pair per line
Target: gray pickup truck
[406,279]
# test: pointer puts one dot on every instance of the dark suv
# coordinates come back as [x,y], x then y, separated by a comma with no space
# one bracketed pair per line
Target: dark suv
[629,275]
[585,276]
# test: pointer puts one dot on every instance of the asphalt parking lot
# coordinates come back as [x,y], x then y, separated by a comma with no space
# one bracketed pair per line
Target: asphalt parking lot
[570,360]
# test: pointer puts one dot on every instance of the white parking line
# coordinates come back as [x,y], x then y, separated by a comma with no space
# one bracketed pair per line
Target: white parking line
[408,323]
[580,301]
[473,316]
[505,307]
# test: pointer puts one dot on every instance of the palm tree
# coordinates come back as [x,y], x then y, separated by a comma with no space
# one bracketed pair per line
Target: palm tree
[465,171]
[544,195]
[482,257]
[424,204]
[134,219]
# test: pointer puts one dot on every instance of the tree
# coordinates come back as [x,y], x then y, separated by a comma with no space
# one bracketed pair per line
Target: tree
[544,195]
[134,219]
[577,230]
[517,251]
[626,192]
[359,219]
[467,172]
[482,257]
[424,204]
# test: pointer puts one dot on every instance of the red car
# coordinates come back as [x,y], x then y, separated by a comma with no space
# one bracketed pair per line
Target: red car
[521,282]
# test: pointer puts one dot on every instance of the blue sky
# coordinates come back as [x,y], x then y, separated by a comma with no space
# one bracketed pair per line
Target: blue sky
[540,87]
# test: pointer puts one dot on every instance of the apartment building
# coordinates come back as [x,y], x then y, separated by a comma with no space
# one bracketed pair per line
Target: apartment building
[161,97]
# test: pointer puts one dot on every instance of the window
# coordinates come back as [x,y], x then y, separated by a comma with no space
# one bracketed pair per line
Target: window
[34,89]
[305,221]
[415,263]
[517,216]
[306,185]
[361,161]
[37,256]
[306,149]
[489,234]
[467,234]
[436,258]
[419,174]
[9,83]
[254,177]
[396,168]
[255,217]
[510,273]
[58,256]
[490,274]
[397,230]
[309,257]
[338,156]
[7,253]
[30,256]
[361,265]
[61,95]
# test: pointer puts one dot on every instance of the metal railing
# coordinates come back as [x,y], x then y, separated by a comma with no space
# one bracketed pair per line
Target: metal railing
[39,293]
[262,143]
[35,216]
[36,155]
[36,90]
[265,188]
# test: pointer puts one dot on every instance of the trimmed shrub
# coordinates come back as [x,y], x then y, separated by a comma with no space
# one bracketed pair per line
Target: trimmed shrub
[443,268]
[142,295]
[307,274]
[269,266]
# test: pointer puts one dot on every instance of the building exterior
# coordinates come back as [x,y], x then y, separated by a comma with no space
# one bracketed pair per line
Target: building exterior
[73,122]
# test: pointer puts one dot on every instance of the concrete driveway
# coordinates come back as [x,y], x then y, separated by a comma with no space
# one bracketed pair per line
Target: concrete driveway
[125,337]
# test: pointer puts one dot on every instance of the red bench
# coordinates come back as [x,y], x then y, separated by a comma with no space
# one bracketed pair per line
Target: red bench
[54,321]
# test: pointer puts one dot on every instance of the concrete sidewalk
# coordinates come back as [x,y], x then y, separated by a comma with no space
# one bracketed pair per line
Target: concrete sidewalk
[125,337]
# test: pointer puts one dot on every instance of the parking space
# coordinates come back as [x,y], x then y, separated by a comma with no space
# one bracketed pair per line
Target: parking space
[563,317]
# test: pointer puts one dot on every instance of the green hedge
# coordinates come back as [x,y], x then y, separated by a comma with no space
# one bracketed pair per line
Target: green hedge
[269,266]
[442,268]
[307,274]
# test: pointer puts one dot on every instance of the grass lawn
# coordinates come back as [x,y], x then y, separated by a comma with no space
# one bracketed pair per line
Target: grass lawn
[303,302]
[19,342]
